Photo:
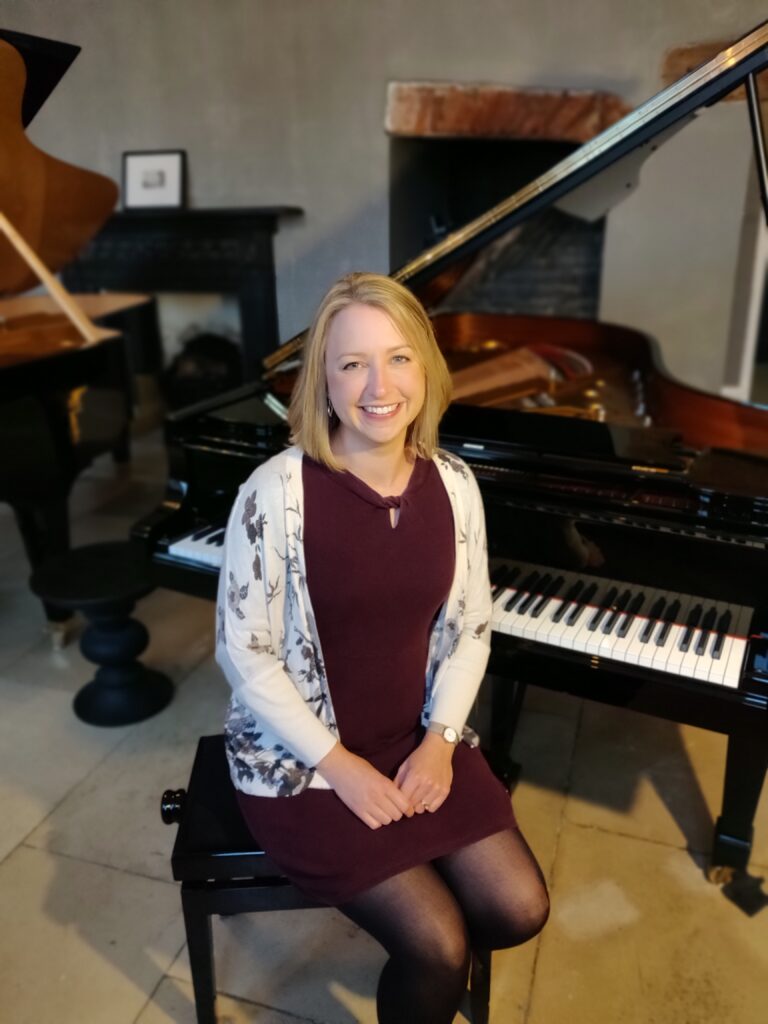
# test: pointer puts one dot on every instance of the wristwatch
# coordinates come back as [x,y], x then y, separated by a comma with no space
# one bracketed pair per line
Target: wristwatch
[448,733]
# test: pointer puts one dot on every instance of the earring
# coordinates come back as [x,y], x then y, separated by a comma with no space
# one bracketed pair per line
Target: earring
[330,408]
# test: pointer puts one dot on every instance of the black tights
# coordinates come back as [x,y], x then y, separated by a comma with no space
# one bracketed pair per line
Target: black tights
[490,895]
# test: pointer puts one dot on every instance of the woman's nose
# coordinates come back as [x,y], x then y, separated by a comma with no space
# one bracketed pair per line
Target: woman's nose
[378,380]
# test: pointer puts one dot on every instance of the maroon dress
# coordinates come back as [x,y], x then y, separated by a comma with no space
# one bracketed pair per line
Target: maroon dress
[375,591]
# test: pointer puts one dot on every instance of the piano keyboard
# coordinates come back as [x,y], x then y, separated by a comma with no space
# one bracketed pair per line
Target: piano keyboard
[657,629]
[688,636]
[204,547]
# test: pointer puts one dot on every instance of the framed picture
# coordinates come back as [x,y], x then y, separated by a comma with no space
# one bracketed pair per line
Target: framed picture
[154,178]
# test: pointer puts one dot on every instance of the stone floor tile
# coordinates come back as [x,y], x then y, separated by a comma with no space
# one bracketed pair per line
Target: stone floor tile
[174,1003]
[638,936]
[644,776]
[22,619]
[44,751]
[46,667]
[181,632]
[543,747]
[81,944]
[312,963]
[113,816]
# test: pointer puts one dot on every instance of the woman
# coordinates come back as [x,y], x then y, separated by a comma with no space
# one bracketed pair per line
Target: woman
[352,560]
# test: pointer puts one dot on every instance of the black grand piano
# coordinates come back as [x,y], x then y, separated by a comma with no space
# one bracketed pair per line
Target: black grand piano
[65,383]
[627,513]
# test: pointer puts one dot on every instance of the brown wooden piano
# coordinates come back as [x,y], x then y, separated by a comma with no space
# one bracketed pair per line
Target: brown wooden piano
[65,386]
[627,513]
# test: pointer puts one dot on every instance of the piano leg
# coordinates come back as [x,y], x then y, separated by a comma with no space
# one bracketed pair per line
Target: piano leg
[44,530]
[121,452]
[506,702]
[745,768]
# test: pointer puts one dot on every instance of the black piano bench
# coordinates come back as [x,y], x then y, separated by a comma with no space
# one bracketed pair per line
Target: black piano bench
[104,581]
[223,871]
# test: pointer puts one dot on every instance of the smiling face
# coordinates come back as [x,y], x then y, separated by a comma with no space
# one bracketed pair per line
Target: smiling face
[375,382]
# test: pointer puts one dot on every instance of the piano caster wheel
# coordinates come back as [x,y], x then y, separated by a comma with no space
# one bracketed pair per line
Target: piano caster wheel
[720,874]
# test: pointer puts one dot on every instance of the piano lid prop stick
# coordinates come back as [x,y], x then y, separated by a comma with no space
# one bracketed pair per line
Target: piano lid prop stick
[85,327]
[758,138]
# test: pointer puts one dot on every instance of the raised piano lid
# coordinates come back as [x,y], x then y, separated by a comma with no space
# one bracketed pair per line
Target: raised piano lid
[589,181]
[76,201]
[46,62]
[600,173]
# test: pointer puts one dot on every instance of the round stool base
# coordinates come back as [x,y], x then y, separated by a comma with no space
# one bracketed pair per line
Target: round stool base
[145,695]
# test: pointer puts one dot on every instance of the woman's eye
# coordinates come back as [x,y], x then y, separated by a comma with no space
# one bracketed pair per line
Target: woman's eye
[402,359]
[350,366]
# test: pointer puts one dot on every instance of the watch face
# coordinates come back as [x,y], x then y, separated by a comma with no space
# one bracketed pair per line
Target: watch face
[450,734]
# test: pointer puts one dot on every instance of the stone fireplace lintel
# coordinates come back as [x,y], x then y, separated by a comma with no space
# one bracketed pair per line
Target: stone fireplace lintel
[466,110]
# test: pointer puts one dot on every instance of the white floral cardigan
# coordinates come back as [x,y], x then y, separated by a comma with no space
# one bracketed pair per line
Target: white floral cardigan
[281,722]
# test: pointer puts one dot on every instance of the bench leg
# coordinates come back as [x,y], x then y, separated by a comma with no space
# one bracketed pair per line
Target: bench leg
[480,986]
[197,922]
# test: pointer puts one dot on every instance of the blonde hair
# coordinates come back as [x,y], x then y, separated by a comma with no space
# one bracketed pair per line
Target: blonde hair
[308,412]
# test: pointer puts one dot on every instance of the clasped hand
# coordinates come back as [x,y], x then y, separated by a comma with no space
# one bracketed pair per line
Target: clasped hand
[422,783]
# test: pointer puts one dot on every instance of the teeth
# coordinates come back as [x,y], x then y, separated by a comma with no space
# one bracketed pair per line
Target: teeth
[380,410]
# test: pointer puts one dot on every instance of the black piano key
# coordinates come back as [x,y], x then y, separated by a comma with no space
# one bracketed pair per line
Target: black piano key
[528,602]
[653,616]
[551,591]
[616,610]
[498,575]
[723,625]
[603,607]
[572,594]
[629,615]
[199,534]
[575,614]
[690,627]
[525,587]
[502,576]
[667,622]
[706,625]
[216,538]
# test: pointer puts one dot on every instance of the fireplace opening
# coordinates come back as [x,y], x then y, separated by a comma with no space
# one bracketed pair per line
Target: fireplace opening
[547,266]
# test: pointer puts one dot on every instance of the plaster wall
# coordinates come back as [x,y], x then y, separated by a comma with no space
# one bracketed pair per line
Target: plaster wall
[282,102]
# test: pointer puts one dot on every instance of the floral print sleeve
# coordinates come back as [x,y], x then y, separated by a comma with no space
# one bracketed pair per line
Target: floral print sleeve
[465,635]
[284,734]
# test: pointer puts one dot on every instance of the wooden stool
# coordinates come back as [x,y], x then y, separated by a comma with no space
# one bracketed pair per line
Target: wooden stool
[104,581]
[223,871]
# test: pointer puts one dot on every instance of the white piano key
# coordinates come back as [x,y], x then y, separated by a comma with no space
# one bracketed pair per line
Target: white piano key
[614,646]
[548,630]
[738,650]
[719,666]
[703,665]
[650,655]
[199,551]
[634,648]
[552,631]
[670,658]
[585,639]
[692,660]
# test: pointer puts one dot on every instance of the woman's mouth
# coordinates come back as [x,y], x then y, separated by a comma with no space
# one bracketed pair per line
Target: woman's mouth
[380,412]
